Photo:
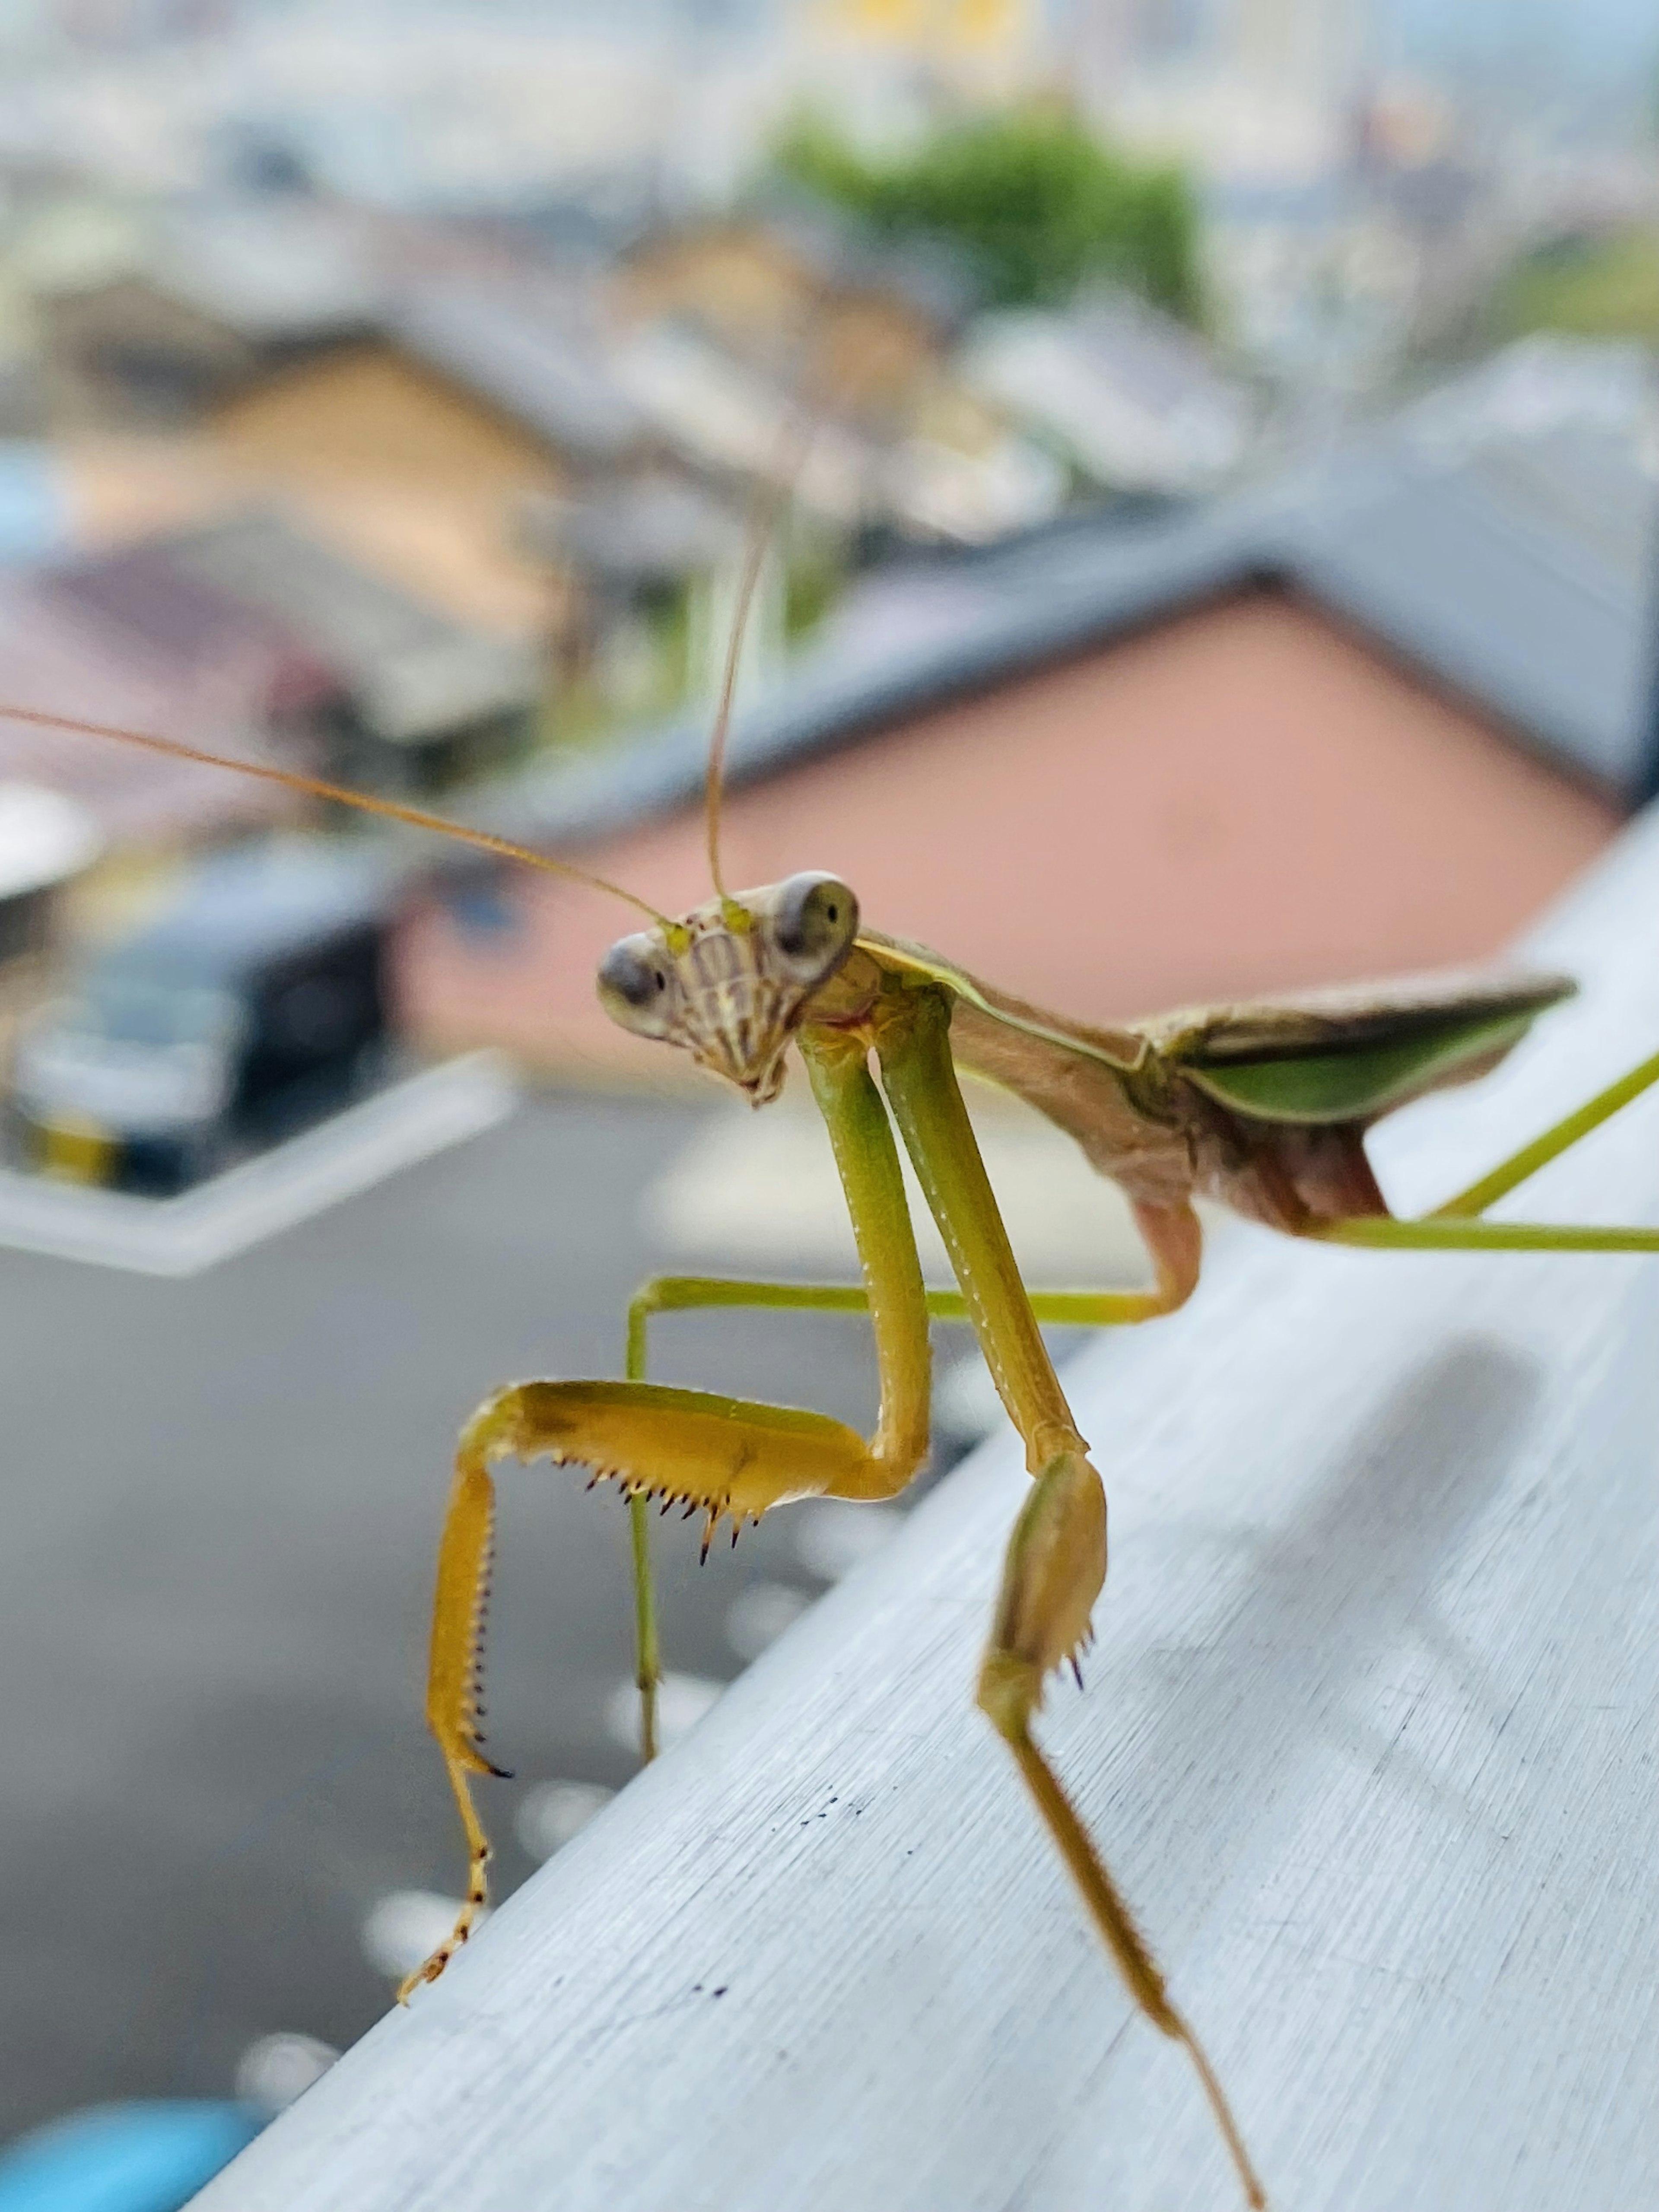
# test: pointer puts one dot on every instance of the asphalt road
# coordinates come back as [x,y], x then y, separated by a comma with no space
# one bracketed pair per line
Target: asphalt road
[222,1499]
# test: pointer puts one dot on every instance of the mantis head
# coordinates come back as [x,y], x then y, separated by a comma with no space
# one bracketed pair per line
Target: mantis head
[730,981]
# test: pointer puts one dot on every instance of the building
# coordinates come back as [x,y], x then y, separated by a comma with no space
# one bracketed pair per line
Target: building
[1131,400]
[801,291]
[247,636]
[59,657]
[379,687]
[222,295]
[1368,719]
[417,393]
[403,386]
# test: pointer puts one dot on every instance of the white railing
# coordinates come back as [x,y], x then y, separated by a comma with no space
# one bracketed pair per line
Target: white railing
[1370,1736]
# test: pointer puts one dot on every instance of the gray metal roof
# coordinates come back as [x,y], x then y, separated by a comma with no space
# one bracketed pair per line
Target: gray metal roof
[539,360]
[659,524]
[275,271]
[1483,574]
[1519,577]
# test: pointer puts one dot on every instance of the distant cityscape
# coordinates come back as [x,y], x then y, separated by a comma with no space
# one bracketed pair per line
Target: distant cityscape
[1365,165]
[240,240]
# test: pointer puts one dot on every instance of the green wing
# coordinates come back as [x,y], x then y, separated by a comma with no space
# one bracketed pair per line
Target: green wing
[1352,1055]
[1342,1055]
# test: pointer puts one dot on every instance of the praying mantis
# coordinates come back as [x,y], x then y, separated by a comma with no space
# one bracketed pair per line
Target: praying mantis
[1264,1107]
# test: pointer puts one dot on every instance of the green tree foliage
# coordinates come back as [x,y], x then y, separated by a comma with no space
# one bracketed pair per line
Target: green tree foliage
[1032,195]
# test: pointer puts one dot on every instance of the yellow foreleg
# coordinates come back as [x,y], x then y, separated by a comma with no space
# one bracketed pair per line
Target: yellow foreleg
[726,1458]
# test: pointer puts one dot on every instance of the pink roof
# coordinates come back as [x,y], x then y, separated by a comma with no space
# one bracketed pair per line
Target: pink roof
[54,658]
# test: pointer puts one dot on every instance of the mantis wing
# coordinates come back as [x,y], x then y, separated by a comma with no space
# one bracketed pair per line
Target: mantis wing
[1349,1055]
[1340,1056]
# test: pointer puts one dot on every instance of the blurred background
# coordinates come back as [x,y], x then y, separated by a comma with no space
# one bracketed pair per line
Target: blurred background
[1222,561]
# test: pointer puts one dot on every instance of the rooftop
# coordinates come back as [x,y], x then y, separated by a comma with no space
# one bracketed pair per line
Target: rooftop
[1133,396]
[273,270]
[413,669]
[535,353]
[53,657]
[657,524]
[1515,571]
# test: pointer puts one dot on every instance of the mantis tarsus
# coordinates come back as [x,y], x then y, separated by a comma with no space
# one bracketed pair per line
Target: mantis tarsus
[1263,1106]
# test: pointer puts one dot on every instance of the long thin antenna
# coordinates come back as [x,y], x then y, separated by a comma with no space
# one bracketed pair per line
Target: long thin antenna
[341,793]
[761,525]
[770,502]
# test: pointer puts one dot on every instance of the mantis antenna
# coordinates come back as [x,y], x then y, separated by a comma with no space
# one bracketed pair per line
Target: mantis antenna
[770,504]
[414,816]
[760,536]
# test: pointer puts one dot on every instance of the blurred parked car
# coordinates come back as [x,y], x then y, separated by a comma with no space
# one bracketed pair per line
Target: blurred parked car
[254,1003]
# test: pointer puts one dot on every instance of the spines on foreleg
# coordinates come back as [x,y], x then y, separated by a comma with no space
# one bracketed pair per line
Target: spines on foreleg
[454,1702]
[725,1458]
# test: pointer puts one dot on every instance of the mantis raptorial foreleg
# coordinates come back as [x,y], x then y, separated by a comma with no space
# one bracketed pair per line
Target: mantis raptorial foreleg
[724,1457]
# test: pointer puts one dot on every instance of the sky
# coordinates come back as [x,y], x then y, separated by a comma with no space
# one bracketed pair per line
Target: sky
[1593,39]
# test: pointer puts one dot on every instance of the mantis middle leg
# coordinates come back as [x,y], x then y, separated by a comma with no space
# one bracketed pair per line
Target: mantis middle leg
[1055,1563]
[1173,1241]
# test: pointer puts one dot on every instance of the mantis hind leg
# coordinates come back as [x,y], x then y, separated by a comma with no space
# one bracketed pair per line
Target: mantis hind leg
[1558,1138]
[1456,1226]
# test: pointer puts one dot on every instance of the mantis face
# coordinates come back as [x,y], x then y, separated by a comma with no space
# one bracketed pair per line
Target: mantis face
[729,980]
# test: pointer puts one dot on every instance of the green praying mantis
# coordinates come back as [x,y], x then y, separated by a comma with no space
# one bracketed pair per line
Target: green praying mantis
[1264,1107]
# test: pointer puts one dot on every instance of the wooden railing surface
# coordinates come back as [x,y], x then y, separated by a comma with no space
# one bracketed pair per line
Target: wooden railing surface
[1371,1737]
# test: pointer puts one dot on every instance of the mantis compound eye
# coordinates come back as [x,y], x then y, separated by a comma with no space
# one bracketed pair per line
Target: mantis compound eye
[636,986]
[815,919]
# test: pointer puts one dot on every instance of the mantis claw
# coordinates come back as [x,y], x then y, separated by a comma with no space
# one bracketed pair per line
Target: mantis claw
[725,1458]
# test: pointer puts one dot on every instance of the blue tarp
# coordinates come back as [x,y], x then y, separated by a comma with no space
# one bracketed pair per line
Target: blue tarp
[147,2157]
